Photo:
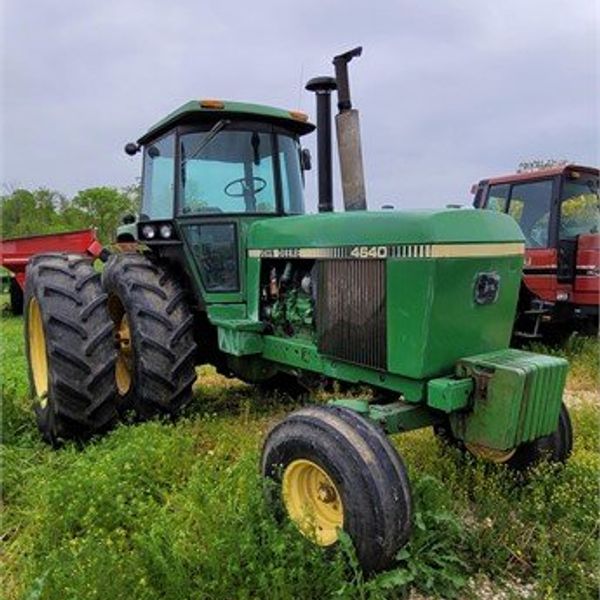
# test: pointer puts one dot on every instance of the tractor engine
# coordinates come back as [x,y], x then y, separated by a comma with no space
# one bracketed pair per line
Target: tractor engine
[288,296]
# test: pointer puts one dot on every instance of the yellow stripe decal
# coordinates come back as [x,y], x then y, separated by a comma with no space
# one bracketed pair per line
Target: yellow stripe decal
[471,250]
[395,251]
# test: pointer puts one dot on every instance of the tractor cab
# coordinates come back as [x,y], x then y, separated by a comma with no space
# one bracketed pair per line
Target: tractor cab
[213,157]
[558,210]
[210,169]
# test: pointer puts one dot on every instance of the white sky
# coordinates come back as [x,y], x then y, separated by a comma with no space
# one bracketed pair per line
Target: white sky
[449,91]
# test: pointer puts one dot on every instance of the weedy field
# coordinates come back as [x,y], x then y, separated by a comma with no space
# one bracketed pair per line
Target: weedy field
[175,511]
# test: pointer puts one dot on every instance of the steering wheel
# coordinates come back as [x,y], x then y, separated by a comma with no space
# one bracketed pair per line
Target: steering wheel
[261,184]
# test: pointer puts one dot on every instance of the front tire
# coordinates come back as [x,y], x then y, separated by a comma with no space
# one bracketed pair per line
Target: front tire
[68,344]
[153,329]
[331,469]
[554,448]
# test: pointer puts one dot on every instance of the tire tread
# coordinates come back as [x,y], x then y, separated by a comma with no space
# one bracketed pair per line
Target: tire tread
[80,353]
[161,327]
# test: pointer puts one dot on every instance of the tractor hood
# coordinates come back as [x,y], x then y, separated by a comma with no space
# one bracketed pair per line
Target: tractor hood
[367,228]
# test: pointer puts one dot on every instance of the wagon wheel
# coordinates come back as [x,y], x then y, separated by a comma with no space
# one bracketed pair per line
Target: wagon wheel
[16,297]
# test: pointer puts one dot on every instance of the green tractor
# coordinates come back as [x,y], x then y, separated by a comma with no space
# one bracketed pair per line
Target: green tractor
[222,266]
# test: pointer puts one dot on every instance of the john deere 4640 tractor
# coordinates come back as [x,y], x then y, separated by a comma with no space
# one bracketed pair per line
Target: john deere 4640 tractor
[222,266]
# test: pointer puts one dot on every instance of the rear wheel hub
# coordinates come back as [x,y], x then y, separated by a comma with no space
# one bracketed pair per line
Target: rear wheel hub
[124,365]
[37,351]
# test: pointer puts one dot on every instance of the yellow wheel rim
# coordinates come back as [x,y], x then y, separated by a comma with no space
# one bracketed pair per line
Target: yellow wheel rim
[491,454]
[38,358]
[312,501]
[124,357]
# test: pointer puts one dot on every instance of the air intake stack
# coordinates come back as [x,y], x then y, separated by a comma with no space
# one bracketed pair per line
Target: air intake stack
[348,136]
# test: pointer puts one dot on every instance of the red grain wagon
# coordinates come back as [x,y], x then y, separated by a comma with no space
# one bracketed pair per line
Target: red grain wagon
[16,252]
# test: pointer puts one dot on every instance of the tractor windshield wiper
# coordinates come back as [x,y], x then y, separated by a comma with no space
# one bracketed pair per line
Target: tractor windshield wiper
[210,136]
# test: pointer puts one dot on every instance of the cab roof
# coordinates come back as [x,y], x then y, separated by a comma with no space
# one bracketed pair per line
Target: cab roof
[197,111]
[538,174]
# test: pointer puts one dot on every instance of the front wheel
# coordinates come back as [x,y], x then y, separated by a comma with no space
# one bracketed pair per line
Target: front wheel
[555,447]
[331,469]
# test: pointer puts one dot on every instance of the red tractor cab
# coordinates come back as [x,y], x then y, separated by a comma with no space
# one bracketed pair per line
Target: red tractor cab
[558,210]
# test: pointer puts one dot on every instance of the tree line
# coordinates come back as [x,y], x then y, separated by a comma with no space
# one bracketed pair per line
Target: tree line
[32,212]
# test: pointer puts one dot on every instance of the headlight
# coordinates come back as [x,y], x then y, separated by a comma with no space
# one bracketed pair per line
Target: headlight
[148,231]
[166,231]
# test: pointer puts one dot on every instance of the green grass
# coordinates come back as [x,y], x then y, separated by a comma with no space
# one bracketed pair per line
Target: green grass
[176,510]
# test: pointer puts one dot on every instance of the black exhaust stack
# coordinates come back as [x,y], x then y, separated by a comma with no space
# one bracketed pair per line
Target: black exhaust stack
[322,87]
[348,135]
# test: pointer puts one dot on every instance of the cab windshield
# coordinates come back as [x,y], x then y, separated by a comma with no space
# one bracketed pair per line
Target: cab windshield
[239,171]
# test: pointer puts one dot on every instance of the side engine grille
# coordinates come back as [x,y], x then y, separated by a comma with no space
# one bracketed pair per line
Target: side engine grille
[350,315]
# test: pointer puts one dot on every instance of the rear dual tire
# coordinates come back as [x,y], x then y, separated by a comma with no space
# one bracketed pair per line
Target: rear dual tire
[68,342]
[94,352]
[153,329]
[327,468]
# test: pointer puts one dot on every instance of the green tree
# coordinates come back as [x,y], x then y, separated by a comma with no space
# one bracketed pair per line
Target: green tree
[101,207]
[25,212]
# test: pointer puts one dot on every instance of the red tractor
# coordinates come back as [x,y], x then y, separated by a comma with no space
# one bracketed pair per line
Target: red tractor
[558,210]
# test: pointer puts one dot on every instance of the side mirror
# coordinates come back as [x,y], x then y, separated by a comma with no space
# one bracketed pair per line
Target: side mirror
[131,149]
[306,159]
[128,219]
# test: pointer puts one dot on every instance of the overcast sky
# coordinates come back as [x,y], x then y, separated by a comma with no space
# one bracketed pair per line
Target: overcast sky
[449,91]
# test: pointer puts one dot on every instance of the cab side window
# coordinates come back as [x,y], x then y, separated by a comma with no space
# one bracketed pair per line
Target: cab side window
[530,205]
[498,197]
[158,179]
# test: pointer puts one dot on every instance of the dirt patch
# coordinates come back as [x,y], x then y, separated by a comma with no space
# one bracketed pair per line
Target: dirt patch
[578,398]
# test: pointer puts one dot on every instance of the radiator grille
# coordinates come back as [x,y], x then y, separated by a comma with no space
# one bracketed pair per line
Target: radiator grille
[350,314]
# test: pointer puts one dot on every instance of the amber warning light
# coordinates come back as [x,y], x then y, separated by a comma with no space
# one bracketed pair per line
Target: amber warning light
[299,116]
[212,104]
